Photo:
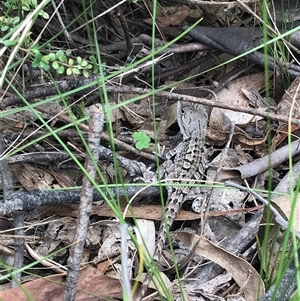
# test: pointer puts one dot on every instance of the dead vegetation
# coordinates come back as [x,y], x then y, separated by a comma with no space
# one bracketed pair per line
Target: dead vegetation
[87,56]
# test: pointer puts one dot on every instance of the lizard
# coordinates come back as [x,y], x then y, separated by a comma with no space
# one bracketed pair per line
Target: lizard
[190,162]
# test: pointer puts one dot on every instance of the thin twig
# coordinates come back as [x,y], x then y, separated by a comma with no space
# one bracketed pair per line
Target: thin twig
[7,184]
[85,208]
[279,219]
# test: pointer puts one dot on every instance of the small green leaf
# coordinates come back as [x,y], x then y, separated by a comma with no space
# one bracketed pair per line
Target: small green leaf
[79,60]
[46,58]
[61,70]
[34,64]
[63,58]
[46,67]
[15,20]
[142,140]
[35,50]
[52,56]
[44,15]
[59,53]
[38,56]
[55,65]
[85,73]
[71,62]
[93,59]
[26,8]
[69,71]
[84,63]
[4,27]
[10,43]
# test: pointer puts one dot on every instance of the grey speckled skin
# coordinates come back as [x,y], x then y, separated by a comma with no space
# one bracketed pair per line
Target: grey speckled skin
[189,163]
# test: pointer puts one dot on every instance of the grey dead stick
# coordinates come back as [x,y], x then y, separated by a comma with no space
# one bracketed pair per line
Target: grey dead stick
[85,208]
[190,162]
[8,186]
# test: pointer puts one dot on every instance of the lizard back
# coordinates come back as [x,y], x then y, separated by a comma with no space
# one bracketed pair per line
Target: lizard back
[189,163]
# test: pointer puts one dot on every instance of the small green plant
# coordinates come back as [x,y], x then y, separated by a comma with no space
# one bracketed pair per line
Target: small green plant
[60,62]
[142,140]
[8,23]
[26,5]
[39,60]
[79,110]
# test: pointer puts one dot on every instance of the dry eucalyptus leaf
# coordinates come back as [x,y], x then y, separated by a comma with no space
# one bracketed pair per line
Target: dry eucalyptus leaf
[233,91]
[150,212]
[210,287]
[132,117]
[171,20]
[262,164]
[234,95]
[52,288]
[111,242]
[165,280]
[217,137]
[245,140]
[146,235]
[221,120]
[170,115]
[283,205]
[243,273]
[32,177]
[134,112]
[143,106]
[288,106]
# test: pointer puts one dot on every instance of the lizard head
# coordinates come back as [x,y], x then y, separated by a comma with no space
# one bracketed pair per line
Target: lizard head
[191,118]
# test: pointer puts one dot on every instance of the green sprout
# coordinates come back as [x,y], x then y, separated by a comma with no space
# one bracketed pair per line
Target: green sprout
[60,62]
[142,140]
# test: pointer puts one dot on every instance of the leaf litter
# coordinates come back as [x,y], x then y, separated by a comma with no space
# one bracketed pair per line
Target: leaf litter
[52,227]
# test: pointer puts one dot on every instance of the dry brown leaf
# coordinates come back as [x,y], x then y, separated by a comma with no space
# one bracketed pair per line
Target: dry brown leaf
[234,95]
[218,137]
[170,115]
[147,232]
[221,120]
[93,286]
[165,279]
[290,102]
[6,224]
[262,164]
[283,205]
[32,177]
[150,212]
[243,273]
[244,139]
[288,106]
[132,117]
[63,179]
[104,266]
[171,20]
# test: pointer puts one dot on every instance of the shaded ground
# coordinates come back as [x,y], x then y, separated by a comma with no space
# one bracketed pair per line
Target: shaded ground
[248,106]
